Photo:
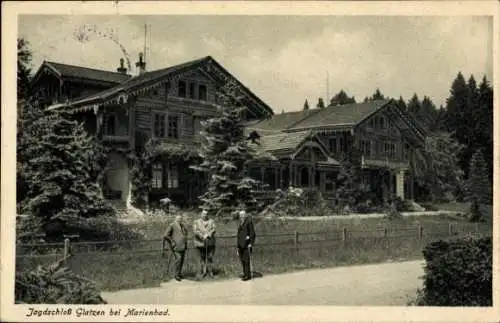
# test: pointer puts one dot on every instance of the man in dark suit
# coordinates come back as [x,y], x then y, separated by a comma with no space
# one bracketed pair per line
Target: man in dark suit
[176,236]
[245,240]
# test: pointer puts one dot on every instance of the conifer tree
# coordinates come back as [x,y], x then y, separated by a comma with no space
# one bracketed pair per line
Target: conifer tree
[377,95]
[402,104]
[342,98]
[479,186]
[24,56]
[59,166]
[306,105]
[321,104]
[225,154]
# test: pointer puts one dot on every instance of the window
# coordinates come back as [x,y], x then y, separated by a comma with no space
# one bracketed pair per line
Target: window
[341,144]
[110,125]
[332,144]
[202,92]
[157,176]
[191,90]
[159,125]
[173,126]
[172,176]
[381,122]
[366,147]
[182,89]
[390,150]
[406,151]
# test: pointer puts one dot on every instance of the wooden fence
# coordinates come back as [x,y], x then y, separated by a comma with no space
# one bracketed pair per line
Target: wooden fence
[294,240]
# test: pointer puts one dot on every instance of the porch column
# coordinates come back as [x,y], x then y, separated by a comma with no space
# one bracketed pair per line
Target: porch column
[322,180]
[128,202]
[262,170]
[400,183]
[311,176]
[290,174]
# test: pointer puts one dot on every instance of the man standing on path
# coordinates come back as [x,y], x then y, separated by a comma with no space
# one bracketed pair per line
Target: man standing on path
[204,241]
[176,236]
[245,240]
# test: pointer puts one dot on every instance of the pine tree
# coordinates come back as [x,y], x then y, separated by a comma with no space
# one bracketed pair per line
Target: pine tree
[377,95]
[24,56]
[225,154]
[59,165]
[479,186]
[341,98]
[350,187]
[402,104]
[306,105]
[484,122]
[321,103]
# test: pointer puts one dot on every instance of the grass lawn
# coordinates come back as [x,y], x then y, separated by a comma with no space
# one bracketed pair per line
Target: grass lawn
[135,264]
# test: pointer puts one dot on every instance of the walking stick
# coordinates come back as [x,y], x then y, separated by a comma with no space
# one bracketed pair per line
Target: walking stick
[206,256]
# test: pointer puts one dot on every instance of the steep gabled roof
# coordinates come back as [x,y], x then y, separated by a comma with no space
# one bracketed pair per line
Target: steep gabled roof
[286,144]
[283,121]
[71,71]
[340,115]
[283,142]
[155,78]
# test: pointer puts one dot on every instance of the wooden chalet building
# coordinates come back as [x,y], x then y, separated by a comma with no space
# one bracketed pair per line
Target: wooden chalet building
[310,145]
[124,111]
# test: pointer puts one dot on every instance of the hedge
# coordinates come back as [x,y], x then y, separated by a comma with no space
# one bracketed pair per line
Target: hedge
[458,273]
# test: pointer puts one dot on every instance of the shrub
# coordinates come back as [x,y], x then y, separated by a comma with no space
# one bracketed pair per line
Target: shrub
[55,284]
[458,273]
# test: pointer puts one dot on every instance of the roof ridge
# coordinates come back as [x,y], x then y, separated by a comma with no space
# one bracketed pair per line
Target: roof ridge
[85,67]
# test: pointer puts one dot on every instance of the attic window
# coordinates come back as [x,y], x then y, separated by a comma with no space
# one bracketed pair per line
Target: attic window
[182,89]
[202,92]
[192,87]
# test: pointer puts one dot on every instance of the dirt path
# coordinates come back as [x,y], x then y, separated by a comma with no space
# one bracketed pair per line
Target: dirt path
[378,284]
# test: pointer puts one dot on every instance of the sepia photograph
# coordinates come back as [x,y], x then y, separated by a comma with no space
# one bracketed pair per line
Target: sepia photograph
[168,158]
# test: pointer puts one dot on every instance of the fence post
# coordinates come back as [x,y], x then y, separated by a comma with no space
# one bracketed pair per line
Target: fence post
[344,234]
[66,250]
[385,233]
[450,229]
[296,241]
[420,231]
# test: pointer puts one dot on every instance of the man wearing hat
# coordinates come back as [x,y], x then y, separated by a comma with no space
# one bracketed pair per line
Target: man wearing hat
[204,241]
[176,236]
[245,240]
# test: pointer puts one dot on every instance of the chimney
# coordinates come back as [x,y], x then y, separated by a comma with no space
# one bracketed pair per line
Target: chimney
[122,69]
[141,65]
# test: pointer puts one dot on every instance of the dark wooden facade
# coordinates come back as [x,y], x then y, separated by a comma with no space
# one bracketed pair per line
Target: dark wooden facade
[170,104]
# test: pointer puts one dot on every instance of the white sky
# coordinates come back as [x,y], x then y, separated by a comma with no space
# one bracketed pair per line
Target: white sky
[284,59]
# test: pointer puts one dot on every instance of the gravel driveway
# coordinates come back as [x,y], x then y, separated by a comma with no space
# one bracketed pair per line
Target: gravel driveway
[371,285]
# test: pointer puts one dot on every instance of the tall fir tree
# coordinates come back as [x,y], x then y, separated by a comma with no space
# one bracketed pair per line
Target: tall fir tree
[24,56]
[306,105]
[484,122]
[479,185]
[225,154]
[320,104]
[402,104]
[59,166]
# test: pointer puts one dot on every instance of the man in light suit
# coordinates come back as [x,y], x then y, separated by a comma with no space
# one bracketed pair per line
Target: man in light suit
[176,236]
[204,241]
[245,240]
